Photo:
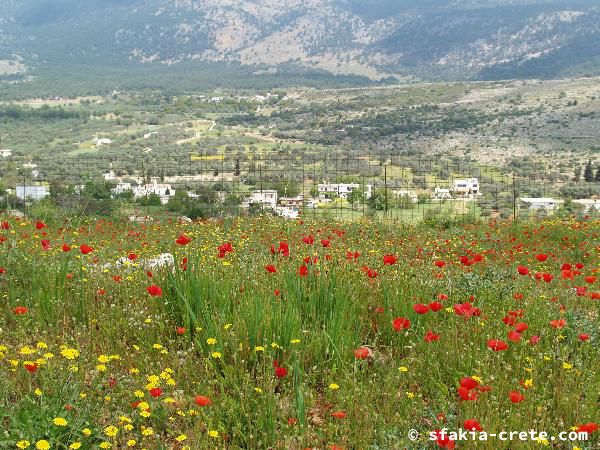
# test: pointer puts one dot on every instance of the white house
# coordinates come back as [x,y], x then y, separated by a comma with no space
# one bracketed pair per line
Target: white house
[5,152]
[164,191]
[266,198]
[409,194]
[121,188]
[102,141]
[109,176]
[441,193]
[292,201]
[589,204]
[549,204]
[342,189]
[287,212]
[469,186]
[32,192]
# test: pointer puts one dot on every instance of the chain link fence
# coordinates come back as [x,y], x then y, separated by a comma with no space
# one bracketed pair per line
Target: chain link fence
[387,186]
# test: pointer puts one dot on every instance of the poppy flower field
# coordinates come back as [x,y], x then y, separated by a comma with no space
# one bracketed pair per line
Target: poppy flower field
[261,333]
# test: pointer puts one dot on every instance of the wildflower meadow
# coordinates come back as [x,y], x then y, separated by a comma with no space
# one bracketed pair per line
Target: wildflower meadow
[263,333]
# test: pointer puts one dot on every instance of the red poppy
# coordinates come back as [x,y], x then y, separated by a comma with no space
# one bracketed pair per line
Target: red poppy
[430,336]
[276,292]
[509,320]
[400,323]
[443,440]
[280,372]
[466,394]
[420,308]
[588,428]
[154,291]
[284,249]
[183,240]
[155,392]
[85,249]
[66,248]
[40,225]
[271,268]
[308,240]
[31,367]
[497,345]
[325,242]
[389,260]
[180,331]
[466,310]
[20,310]
[202,400]
[371,273]
[339,414]
[523,270]
[591,279]
[516,396]
[303,270]
[514,336]
[435,306]
[292,421]
[521,326]
[533,340]
[5,225]
[468,383]
[132,257]
[225,248]
[472,425]
[558,324]
[352,256]
[362,353]
[440,264]
[584,337]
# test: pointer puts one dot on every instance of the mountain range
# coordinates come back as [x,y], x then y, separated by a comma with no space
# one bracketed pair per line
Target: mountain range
[376,39]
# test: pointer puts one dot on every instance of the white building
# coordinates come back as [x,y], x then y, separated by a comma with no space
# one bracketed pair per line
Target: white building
[441,194]
[31,192]
[121,188]
[102,141]
[292,201]
[549,204]
[287,212]
[266,198]
[109,176]
[164,191]
[469,186]
[342,189]
[589,204]
[409,194]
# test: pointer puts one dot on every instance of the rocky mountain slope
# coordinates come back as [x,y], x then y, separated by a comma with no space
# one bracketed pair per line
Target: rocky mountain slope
[460,39]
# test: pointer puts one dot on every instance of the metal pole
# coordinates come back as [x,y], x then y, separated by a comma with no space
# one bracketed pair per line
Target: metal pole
[385,189]
[514,200]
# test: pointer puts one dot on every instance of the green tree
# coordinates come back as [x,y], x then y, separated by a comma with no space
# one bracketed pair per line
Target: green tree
[355,197]
[378,200]
[588,173]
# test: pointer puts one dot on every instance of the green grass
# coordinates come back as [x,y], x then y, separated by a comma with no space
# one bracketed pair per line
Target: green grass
[101,342]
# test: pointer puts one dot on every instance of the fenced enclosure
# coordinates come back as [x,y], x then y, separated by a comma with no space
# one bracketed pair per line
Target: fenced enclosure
[389,186]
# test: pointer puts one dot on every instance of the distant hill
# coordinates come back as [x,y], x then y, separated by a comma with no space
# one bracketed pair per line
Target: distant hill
[413,39]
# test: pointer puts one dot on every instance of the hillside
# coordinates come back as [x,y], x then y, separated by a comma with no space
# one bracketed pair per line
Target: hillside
[461,39]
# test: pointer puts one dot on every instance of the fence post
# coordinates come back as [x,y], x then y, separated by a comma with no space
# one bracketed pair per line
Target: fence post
[385,189]
[514,198]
